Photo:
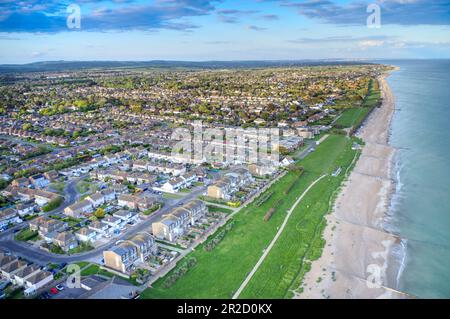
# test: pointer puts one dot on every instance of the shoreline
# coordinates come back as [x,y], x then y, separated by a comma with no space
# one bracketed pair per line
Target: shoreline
[360,258]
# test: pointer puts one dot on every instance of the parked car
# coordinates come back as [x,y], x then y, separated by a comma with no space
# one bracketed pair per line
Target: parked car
[59,287]
[54,291]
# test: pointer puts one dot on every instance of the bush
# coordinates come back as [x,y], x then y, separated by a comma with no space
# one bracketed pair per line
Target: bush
[179,272]
[54,204]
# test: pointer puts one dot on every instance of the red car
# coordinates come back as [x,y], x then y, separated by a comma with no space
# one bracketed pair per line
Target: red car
[54,291]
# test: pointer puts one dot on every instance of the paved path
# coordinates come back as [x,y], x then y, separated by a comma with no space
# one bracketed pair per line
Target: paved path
[272,243]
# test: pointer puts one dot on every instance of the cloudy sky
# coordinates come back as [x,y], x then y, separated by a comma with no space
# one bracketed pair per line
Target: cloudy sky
[33,30]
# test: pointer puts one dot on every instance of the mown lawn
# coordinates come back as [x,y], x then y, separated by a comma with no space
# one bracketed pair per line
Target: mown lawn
[220,272]
[353,117]
[301,241]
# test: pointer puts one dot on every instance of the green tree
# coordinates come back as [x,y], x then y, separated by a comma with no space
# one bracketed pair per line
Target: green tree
[99,213]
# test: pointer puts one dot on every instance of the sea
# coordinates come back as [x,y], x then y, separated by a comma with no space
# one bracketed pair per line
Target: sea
[420,206]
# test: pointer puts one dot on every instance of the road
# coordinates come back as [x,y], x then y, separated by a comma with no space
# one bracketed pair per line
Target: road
[43,257]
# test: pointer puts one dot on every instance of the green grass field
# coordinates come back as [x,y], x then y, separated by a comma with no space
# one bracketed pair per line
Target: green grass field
[353,117]
[220,272]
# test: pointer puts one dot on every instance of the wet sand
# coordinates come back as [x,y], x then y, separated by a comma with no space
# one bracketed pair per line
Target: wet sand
[358,249]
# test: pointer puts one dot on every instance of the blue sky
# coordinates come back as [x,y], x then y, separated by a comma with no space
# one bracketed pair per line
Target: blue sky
[32,30]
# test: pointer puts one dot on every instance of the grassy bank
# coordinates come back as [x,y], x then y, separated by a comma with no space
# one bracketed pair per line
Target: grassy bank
[219,273]
[354,117]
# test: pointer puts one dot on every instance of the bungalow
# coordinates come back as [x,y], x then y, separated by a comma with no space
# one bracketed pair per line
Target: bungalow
[78,209]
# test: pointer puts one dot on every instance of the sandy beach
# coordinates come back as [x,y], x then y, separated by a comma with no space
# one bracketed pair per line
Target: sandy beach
[358,249]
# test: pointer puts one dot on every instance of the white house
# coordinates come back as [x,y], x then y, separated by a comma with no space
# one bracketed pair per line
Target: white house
[37,281]
[97,199]
[86,235]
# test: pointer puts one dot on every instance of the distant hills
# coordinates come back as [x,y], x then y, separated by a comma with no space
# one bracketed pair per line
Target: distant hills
[85,65]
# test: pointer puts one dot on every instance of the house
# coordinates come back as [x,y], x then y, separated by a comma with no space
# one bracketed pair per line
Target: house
[141,203]
[51,175]
[48,226]
[97,199]
[65,240]
[145,244]
[261,170]
[5,259]
[22,274]
[86,235]
[21,182]
[126,216]
[109,194]
[174,224]
[197,209]
[39,181]
[100,228]
[24,209]
[221,189]
[42,197]
[9,216]
[114,222]
[36,281]
[121,257]
[287,161]
[173,185]
[10,269]
[167,228]
[79,209]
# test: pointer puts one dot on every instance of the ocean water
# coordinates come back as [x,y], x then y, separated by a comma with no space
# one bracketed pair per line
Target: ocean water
[420,210]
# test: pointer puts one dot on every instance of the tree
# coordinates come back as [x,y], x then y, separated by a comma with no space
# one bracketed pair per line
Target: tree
[99,213]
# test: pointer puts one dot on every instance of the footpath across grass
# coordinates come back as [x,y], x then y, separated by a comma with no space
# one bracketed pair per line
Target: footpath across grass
[219,273]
